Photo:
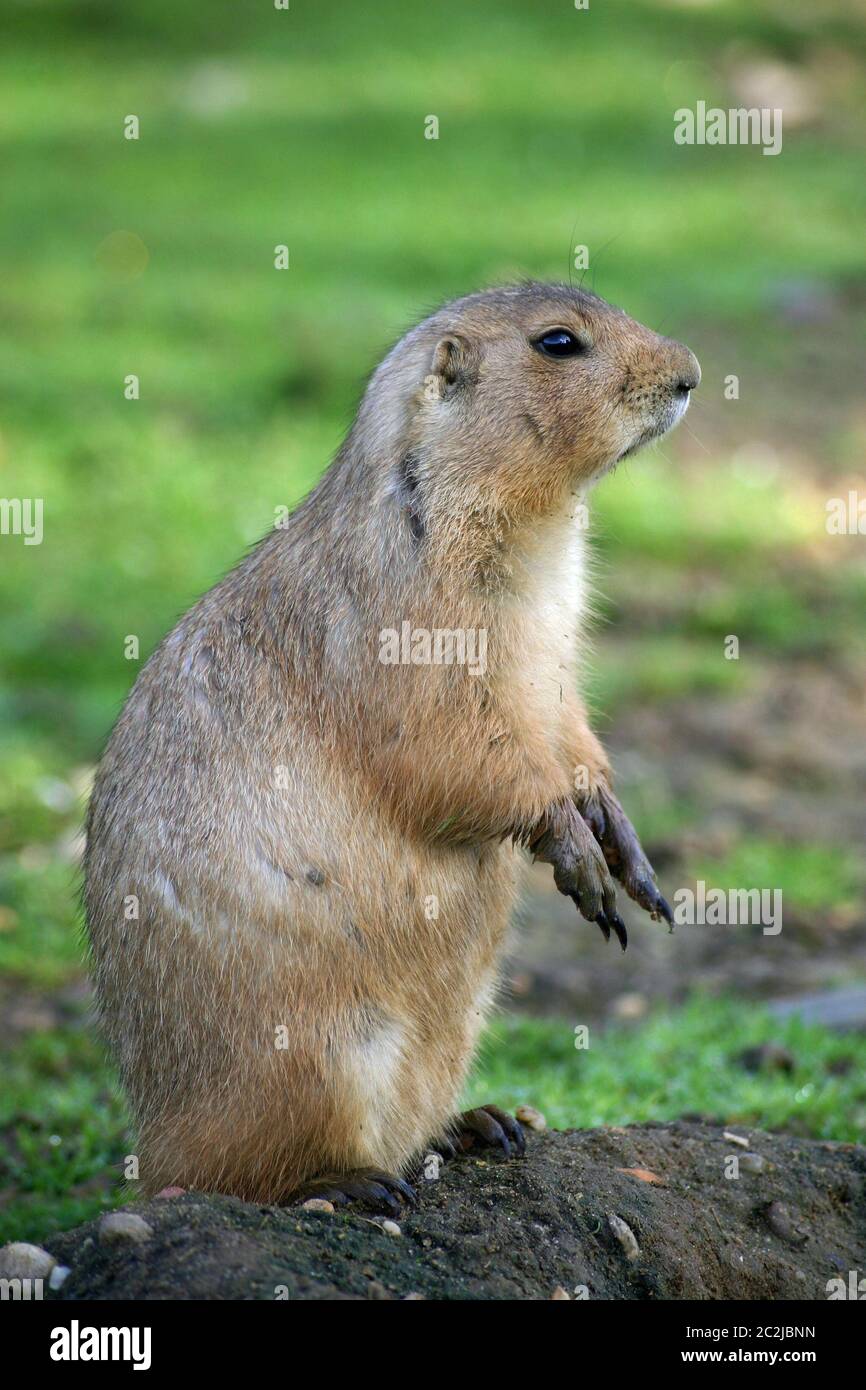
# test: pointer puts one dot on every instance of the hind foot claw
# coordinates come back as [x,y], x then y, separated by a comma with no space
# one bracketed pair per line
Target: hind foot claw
[488,1126]
[369,1186]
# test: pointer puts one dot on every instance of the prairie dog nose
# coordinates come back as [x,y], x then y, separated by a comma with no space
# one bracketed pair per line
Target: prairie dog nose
[685,370]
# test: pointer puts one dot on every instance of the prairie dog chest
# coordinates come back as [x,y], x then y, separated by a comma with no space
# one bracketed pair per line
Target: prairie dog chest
[545,610]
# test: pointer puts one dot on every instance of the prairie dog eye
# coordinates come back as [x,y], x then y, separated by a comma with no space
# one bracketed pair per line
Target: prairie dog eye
[560,342]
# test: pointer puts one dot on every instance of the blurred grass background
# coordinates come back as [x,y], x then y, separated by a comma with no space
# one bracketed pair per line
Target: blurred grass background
[155,257]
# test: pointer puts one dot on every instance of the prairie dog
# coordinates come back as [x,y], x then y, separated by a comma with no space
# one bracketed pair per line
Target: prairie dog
[317,805]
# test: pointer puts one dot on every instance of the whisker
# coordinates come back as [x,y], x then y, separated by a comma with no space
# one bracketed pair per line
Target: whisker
[571,254]
[598,256]
[695,437]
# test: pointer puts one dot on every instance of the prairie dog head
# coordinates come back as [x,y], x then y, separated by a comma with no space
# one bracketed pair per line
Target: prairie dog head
[513,395]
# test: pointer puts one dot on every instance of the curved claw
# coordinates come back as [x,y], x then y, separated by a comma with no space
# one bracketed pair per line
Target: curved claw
[664,909]
[624,855]
[512,1126]
[612,920]
[648,896]
[398,1185]
[619,927]
[602,922]
[376,1194]
[494,1127]
[445,1146]
[378,1189]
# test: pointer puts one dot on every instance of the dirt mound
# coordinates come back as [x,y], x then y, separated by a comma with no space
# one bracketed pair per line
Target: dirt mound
[640,1213]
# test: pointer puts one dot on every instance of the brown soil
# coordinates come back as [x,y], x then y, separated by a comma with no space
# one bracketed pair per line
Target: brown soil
[489,1229]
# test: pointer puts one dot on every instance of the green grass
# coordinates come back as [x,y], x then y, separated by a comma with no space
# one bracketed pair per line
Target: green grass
[682,1061]
[811,877]
[61,1134]
[63,1129]
[658,668]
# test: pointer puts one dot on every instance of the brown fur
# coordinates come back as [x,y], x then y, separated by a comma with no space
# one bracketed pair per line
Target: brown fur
[288,810]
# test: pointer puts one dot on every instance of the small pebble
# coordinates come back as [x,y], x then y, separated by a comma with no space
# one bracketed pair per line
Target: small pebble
[432,1167]
[172,1192]
[18,1260]
[735,1139]
[752,1163]
[630,1006]
[625,1235]
[559,1292]
[391,1228]
[318,1204]
[58,1276]
[643,1175]
[532,1118]
[782,1224]
[123,1227]
[414,1298]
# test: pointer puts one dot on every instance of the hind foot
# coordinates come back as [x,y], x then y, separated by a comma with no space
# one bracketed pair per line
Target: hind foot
[488,1126]
[369,1186]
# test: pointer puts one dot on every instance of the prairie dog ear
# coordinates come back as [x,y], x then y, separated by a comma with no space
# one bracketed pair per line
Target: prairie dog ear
[453,364]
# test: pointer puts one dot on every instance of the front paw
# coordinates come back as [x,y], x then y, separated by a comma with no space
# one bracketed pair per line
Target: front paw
[580,870]
[622,850]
